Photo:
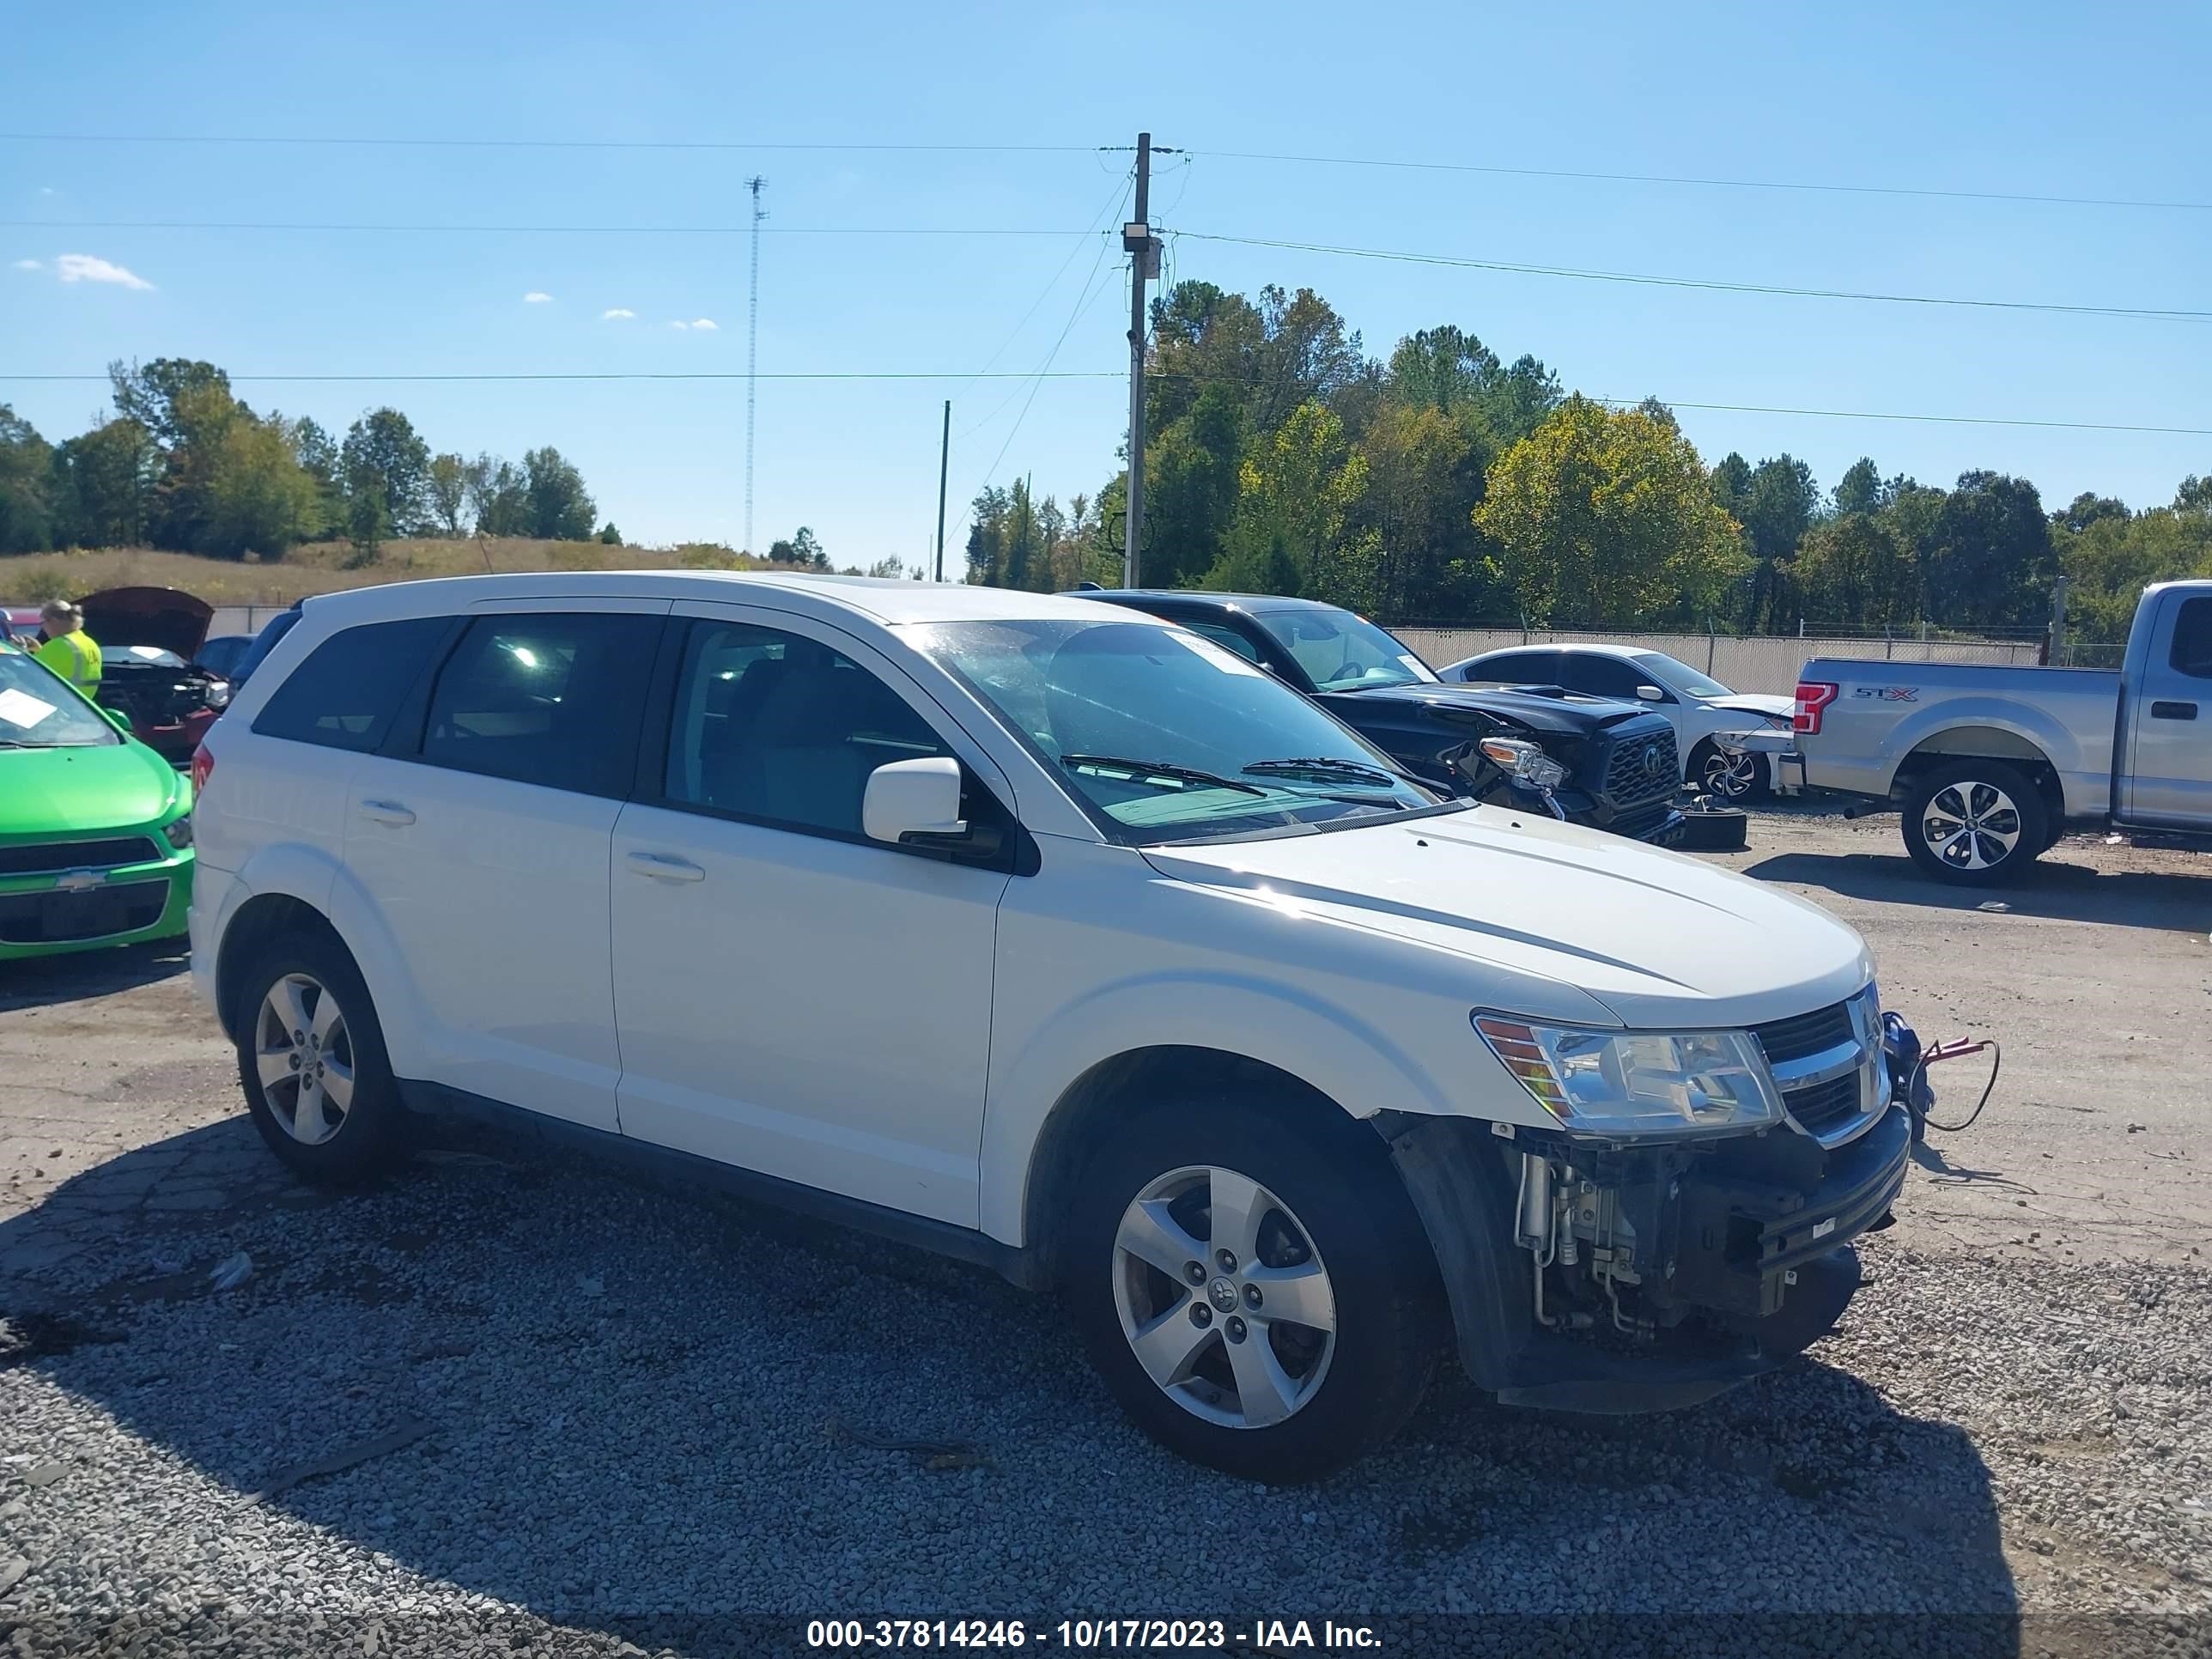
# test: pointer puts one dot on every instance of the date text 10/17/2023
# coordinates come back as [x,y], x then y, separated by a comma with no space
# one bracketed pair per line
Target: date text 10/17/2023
[1090,1635]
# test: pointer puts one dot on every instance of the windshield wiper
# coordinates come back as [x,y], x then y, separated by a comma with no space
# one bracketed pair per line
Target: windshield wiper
[1325,767]
[1143,768]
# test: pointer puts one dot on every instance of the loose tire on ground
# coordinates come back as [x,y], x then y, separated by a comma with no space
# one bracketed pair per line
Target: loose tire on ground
[1715,829]
[1973,823]
[312,1062]
[1153,1256]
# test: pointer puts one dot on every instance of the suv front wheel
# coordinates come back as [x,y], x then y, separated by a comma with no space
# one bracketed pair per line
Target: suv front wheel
[311,1063]
[1255,1302]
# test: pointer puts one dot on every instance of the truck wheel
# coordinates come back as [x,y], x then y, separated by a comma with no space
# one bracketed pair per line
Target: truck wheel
[1260,1300]
[1739,777]
[1975,822]
[312,1062]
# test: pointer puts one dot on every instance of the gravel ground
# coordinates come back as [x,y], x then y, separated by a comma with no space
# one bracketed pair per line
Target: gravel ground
[624,1404]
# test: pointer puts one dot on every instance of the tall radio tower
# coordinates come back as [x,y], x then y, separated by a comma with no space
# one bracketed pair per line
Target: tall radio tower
[753,352]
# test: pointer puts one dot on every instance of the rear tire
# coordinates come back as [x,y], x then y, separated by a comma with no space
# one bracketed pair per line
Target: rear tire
[1975,822]
[1275,1281]
[312,1062]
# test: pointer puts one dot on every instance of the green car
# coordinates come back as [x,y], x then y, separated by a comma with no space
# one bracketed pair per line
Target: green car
[95,827]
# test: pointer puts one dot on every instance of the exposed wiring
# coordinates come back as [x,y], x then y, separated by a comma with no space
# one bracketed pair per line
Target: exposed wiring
[1920,1071]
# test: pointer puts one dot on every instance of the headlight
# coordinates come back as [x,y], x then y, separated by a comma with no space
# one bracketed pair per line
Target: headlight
[218,696]
[178,832]
[1637,1083]
[1524,762]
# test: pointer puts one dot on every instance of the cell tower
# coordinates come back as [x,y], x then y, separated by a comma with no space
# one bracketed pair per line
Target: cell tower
[754,184]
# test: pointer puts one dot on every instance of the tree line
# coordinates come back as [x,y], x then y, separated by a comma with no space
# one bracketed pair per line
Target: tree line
[1442,483]
[185,464]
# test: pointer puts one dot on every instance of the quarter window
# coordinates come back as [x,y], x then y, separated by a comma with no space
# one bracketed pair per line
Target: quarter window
[554,700]
[345,694]
[2192,639]
[781,729]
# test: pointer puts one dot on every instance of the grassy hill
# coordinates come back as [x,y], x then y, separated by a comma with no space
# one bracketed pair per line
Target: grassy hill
[323,567]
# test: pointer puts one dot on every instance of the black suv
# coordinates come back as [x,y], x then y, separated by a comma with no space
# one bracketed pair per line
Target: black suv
[1622,771]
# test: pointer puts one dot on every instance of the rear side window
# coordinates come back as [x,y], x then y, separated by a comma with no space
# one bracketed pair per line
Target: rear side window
[344,695]
[2192,639]
[553,700]
[1599,676]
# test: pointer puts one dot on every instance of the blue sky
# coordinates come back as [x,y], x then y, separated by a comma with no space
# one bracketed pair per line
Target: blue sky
[2034,98]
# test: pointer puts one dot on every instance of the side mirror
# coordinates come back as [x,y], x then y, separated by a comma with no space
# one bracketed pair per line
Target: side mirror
[1650,693]
[118,718]
[915,803]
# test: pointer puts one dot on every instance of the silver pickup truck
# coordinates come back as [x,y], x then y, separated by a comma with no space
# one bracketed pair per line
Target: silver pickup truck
[1991,766]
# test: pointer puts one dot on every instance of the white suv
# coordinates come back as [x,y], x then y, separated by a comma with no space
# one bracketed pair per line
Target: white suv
[1057,939]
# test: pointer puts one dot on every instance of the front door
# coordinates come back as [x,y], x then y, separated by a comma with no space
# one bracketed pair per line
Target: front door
[483,839]
[2167,775]
[792,997]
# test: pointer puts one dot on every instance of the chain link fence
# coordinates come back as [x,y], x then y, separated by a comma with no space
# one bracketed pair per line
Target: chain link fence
[1766,663]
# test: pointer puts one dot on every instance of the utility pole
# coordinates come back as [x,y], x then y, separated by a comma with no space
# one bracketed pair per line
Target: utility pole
[2054,648]
[944,468]
[752,351]
[1144,250]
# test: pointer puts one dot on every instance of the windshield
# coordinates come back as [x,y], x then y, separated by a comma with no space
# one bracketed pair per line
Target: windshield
[1680,675]
[1164,736]
[37,711]
[1340,652]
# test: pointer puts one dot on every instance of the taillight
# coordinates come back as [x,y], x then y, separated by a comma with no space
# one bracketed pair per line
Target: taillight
[203,769]
[1813,696]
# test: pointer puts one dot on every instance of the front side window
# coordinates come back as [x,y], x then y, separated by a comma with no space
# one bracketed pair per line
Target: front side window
[39,710]
[554,700]
[1517,668]
[345,694]
[1340,652]
[1594,675]
[1164,736]
[775,727]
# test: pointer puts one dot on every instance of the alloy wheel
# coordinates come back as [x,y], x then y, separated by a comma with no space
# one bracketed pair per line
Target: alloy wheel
[303,1054]
[1971,826]
[1222,1298]
[1730,775]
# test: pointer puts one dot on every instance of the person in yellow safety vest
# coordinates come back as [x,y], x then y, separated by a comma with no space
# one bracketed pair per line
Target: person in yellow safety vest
[69,651]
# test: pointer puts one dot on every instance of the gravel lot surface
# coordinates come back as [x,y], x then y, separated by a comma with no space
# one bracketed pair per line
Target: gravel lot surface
[604,1411]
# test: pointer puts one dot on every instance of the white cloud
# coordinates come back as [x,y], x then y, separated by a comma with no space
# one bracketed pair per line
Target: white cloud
[679,324]
[616,314]
[702,322]
[28,265]
[536,297]
[45,189]
[85,268]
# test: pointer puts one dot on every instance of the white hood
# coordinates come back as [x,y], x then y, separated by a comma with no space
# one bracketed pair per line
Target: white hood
[1660,939]
[1758,702]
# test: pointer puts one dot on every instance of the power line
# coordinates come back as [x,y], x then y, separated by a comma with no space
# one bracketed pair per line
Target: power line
[376,143]
[528,230]
[1715,284]
[1106,374]
[1927,191]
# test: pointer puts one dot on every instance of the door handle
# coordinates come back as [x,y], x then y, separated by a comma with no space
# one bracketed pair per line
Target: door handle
[2173,711]
[387,811]
[661,867]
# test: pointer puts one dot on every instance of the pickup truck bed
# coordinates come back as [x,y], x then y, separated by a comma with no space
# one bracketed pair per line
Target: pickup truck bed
[1990,766]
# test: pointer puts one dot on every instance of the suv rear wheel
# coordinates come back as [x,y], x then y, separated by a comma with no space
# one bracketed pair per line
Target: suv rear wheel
[312,1062]
[1974,822]
[1256,1302]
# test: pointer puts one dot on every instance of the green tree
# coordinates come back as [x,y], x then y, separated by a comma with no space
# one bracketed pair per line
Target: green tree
[259,499]
[1779,505]
[1444,368]
[105,484]
[317,452]
[2087,508]
[498,497]
[1991,561]
[369,522]
[560,509]
[167,397]
[987,538]
[806,549]
[1851,570]
[1293,493]
[1425,478]
[383,454]
[27,516]
[1607,517]
[446,490]
[1860,490]
[609,535]
[1190,488]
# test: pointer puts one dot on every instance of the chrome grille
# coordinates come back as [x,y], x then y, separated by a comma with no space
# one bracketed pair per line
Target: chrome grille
[1643,769]
[1828,1066]
[1785,1040]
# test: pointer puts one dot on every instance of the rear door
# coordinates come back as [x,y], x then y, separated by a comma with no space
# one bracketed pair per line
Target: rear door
[2167,779]
[481,836]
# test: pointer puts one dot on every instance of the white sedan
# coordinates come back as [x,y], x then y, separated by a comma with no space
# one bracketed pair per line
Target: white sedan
[1725,737]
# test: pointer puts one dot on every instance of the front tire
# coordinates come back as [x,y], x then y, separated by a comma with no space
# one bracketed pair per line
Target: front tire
[1259,1299]
[312,1062]
[1973,823]
[1736,780]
